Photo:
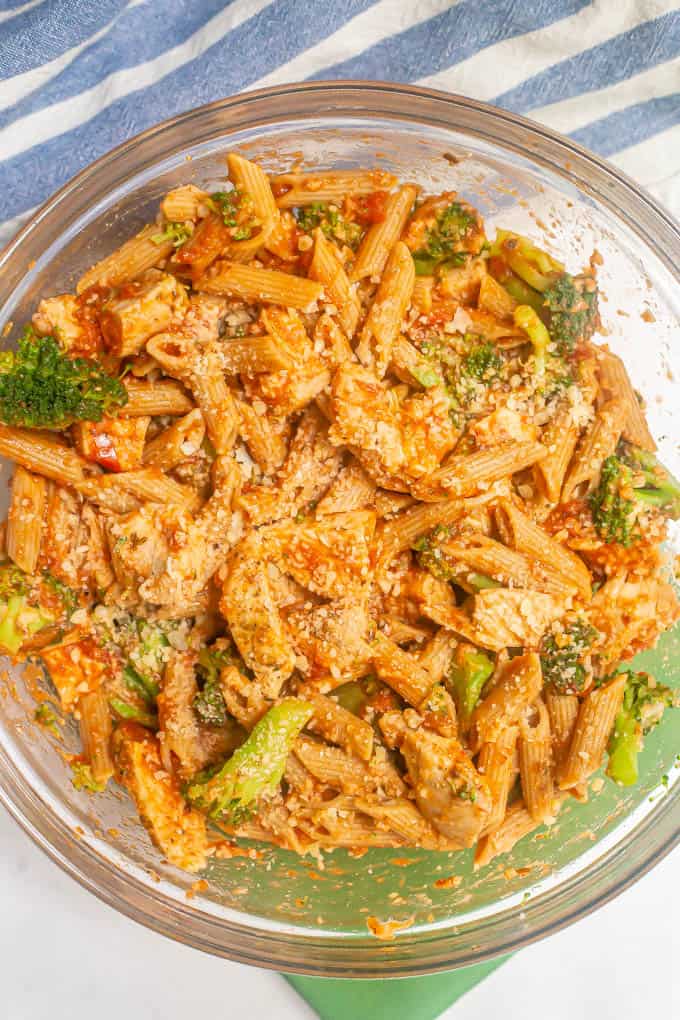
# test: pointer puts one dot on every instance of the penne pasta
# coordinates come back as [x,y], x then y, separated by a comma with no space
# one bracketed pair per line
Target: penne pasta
[593,728]
[129,261]
[385,316]
[267,285]
[327,269]
[155,398]
[536,761]
[381,237]
[615,381]
[129,488]
[598,443]
[25,519]
[295,189]
[463,474]
[184,203]
[497,764]
[35,452]
[559,438]
[518,687]
[95,734]
[176,443]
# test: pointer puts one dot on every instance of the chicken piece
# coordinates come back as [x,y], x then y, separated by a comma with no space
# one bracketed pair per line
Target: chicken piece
[511,618]
[310,467]
[396,441]
[630,614]
[177,830]
[502,426]
[61,317]
[330,557]
[331,639]
[250,609]
[117,444]
[427,220]
[449,791]
[77,666]
[141,309]
[288,391]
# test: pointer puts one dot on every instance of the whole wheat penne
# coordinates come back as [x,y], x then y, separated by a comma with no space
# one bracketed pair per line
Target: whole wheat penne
[385,316]
[563,711]
[536,761]
[176,443]
[599,442]
[334,723]
[402,632]
[95,733]
[254,354]
[332,766]
[400,670]
[478,553]
[519,686]
[146,484]
[591,734]
[517,824]
[401,531]
[297,189]
[559,437]
[250,178]
[155,398]
[436,655]
[422,294]
[129,261]
[495,300]
[266,444]
[496,763]
[614,379]
[402,817]
[184,203]
[25,519]
[351,490]
[41,455]
[527,537]
[327,269]
[255,284]
[462,474]
[381,237]
[201,370]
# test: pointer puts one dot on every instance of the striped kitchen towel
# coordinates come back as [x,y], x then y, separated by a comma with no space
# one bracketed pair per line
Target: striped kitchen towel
[79,76]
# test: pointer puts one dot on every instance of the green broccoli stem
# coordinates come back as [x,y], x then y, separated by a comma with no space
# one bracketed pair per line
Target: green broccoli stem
[469,671]
[131,712]
[142,685]
[19,621]
[523,293]
[624,746]
[527,319]
[255,769]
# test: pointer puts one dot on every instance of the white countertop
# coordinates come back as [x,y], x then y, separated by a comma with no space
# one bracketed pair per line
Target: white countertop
[66,956]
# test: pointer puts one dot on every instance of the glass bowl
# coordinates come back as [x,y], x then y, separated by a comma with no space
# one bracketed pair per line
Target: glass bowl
[269,907]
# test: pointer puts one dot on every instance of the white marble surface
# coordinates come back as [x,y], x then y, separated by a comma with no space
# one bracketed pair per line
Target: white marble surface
[66,956]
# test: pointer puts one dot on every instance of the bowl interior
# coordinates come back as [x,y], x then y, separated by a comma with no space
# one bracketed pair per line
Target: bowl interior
[271,890]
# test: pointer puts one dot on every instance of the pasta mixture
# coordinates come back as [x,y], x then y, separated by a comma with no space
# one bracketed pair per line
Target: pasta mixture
[331,525]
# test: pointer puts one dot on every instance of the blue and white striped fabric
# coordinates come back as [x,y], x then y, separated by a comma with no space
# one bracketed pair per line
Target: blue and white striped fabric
[79,76]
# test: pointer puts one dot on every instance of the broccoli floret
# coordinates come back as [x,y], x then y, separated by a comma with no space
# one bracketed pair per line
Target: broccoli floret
[469,670]
[429,553]
[612,506]
[333,224]
[178,233]
[572,307]
[83,779]
[563,654]
[483,362]
[41,387]
[209,703]
[19,619]
[255,769]
[644,702]
[227,204]
[659,488]
[443,241]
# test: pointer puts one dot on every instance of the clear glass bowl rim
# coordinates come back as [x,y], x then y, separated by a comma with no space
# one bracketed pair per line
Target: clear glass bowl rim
[337,955]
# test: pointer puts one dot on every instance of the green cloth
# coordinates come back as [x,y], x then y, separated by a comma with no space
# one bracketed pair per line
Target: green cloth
[420,998]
